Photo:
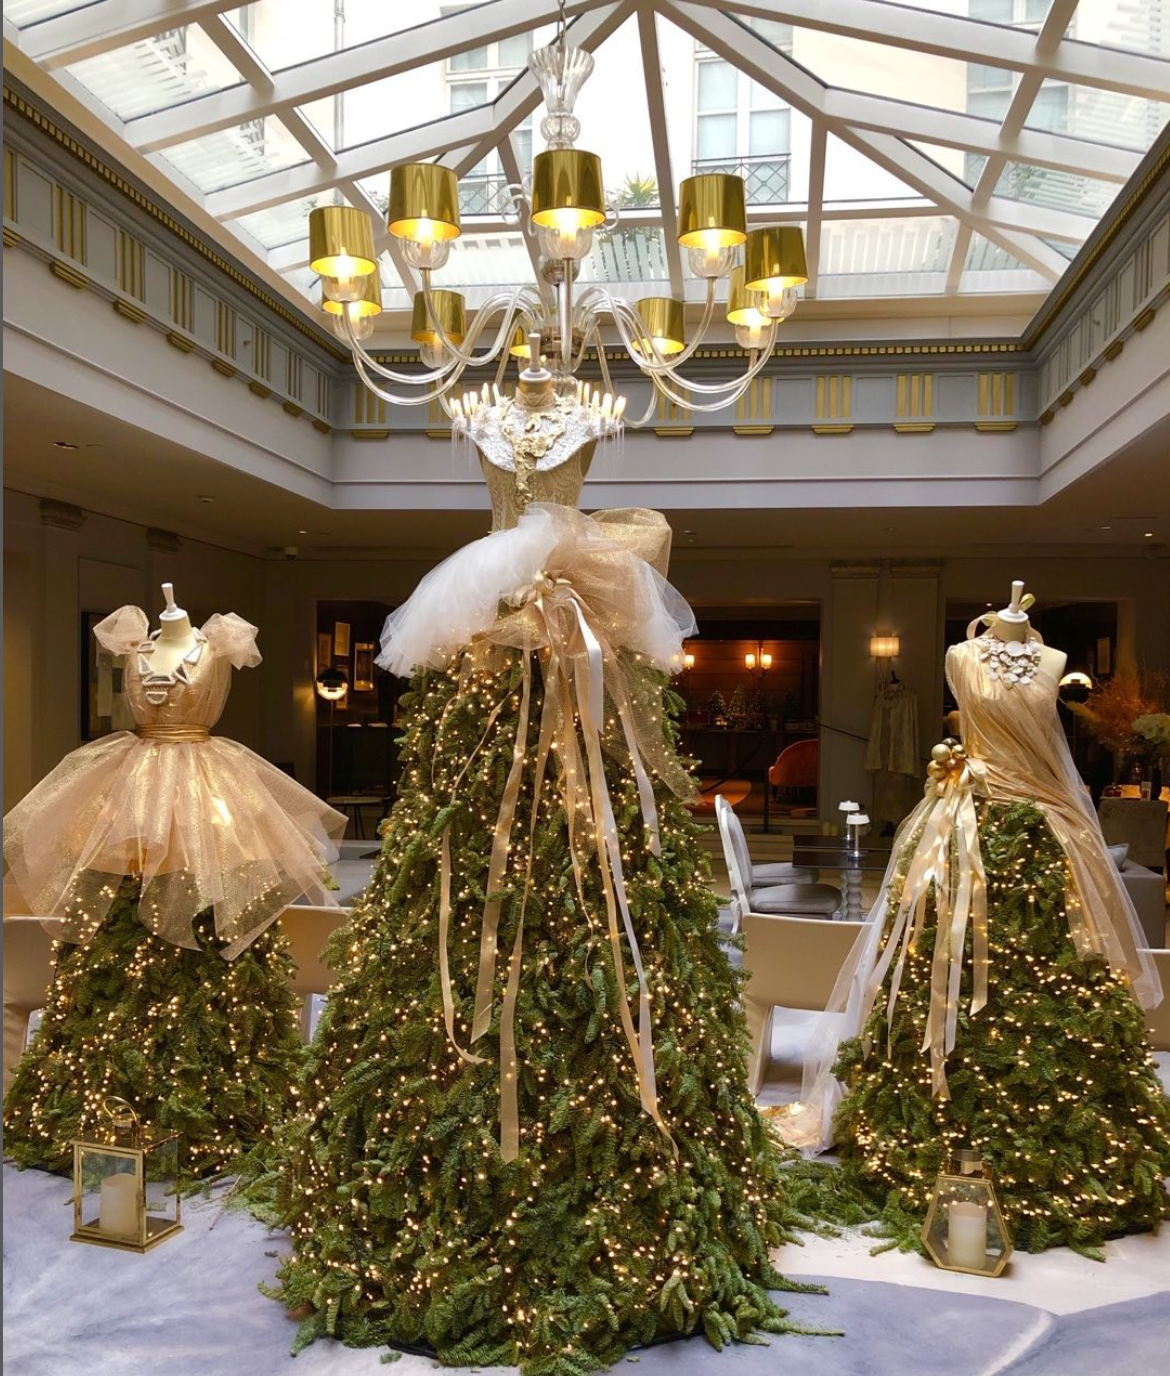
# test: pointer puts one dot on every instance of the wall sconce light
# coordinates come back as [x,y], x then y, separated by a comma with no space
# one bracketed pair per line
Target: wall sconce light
[688,662]
[758,663]
[885,646]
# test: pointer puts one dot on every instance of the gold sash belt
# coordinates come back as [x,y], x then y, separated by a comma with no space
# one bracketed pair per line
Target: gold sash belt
[179,733]
[949,823]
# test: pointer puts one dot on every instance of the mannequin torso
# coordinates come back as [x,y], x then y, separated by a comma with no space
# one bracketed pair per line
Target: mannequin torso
[175,641]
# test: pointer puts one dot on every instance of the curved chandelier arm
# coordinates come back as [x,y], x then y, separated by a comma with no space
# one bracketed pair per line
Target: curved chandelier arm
[510,300]
[739,387]
[424,400]
[423,379]
[729,390]
[627,320]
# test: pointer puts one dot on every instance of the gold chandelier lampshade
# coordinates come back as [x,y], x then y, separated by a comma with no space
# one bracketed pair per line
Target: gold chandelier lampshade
[424,203]
[663,319]
[449,310]
[711,211]
[341,242]
[519,345]
[773,258]
[742,307]
[367,304]
[567,193]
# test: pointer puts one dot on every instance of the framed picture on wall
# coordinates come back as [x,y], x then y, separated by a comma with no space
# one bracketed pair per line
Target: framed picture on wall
[363,666]
[1104,655]
[324,650]
[341,639]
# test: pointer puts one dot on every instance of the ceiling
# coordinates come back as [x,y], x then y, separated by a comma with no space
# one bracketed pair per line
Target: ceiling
[958,150]
[121,471]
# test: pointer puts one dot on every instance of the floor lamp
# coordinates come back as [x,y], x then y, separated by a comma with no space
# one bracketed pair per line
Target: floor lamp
[332,685]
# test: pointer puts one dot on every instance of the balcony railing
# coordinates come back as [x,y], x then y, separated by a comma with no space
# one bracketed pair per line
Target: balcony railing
[765,177]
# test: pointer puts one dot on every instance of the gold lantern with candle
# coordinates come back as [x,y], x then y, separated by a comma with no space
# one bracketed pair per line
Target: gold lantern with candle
[126,1183]
[964,1228]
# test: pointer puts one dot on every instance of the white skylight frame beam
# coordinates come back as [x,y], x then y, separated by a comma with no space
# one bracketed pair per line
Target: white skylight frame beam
[745,49]
[96,29]
[964,39]
[660,141]
[511,166]
[818,148]
[1053,29]
[953,129]
[335,73]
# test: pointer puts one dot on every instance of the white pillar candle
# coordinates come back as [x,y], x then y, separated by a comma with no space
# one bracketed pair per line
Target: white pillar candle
[118,1214]
[967,1235]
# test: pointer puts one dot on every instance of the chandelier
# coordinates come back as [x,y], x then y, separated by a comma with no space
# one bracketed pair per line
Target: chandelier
[562,205]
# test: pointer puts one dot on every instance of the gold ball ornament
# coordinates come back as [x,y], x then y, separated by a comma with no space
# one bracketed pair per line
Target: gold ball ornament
[940,753]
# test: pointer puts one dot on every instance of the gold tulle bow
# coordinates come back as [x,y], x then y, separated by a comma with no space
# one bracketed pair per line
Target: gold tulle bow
[947,860]
[577,639]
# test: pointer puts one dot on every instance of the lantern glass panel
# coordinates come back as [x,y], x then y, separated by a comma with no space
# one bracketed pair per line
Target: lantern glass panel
[161,1161]
[108,1186]
[964,1228]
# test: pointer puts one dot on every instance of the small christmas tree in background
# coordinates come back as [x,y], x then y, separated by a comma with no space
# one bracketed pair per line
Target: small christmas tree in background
[408,1226]
[197,1044]
[1052,1082]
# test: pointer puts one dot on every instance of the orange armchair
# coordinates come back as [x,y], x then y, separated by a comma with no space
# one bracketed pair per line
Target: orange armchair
[795,769]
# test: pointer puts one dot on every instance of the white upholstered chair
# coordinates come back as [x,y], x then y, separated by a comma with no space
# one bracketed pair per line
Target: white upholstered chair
[781,888]
[791,962]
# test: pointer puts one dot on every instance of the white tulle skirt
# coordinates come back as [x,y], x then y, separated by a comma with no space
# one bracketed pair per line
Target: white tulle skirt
[206,824]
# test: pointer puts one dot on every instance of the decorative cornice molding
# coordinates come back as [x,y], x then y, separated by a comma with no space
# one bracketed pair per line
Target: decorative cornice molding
[62,515]
[163,541]
[120,181]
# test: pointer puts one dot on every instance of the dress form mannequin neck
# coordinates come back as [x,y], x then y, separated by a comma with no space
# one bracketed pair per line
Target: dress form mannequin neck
[1011,623]
[176,637]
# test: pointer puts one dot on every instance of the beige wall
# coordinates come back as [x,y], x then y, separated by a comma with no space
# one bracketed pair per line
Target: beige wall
[53,574]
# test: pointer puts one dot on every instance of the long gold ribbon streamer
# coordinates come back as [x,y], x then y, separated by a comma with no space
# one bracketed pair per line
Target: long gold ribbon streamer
[950,820]
[575,682]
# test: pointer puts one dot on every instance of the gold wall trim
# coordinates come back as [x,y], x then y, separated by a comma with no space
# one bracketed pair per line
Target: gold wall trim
[322,426]
[748,431]
[996,427]
[1145,319]
[679,432]
[258,389]
[437,434]
[370,434]
[180,342]
[11,238]
[1113,350]
[913,427]
[292,409]
[222,368]
[1088,377]
[68,274]
[129,311]
[113,178]
[832,429]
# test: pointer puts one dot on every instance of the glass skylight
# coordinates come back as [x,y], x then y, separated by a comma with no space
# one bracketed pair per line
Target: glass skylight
[230,156]
[263,111]
[281,39]
[156,72]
